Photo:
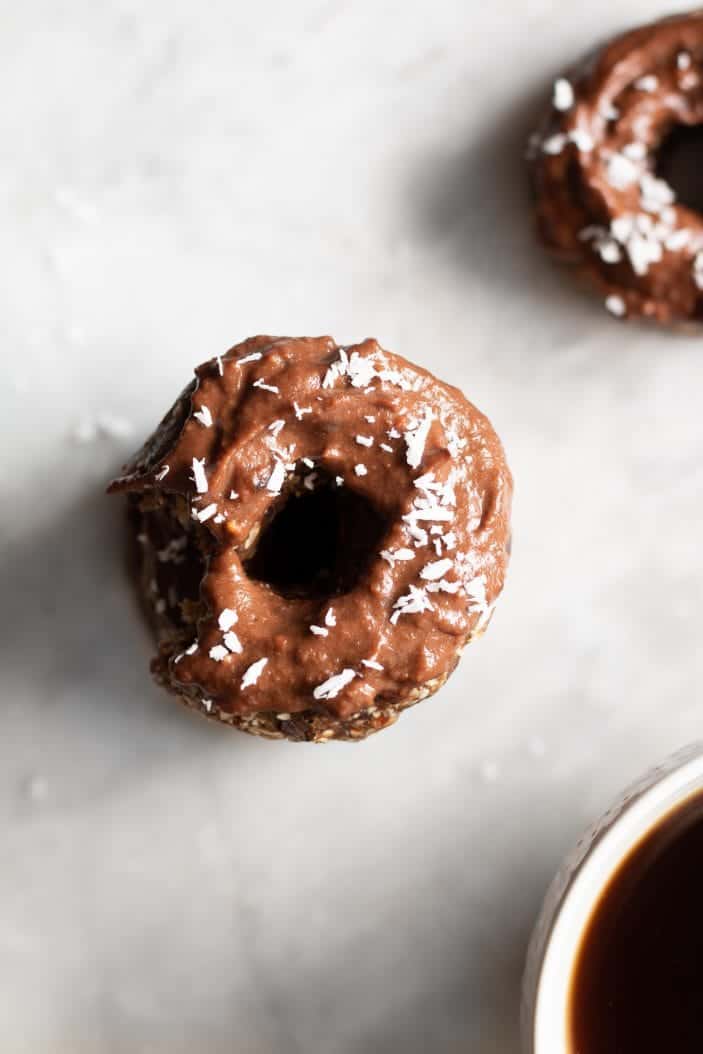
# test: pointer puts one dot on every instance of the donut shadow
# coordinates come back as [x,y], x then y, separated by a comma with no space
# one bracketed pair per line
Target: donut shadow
[76,648]
[475,207]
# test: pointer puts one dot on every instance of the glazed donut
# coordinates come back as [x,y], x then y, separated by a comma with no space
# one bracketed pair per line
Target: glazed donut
[319,532]
[596,173]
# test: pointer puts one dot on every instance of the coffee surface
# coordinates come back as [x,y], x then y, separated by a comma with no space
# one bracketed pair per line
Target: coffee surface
[638,983]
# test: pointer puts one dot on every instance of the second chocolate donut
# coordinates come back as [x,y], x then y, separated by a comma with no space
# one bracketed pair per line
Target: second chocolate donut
[596,169]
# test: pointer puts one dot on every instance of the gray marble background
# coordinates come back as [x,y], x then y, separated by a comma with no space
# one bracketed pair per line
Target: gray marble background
[176,176]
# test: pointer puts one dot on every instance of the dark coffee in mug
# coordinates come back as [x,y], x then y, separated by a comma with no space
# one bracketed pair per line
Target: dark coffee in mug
[637,986]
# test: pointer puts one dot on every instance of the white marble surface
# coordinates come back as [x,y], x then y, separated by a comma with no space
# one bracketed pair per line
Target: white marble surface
[175,176]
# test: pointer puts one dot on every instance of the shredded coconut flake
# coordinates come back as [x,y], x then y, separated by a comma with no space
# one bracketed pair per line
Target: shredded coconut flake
[649,83]
[361,372]
[582,140]
[227,619]
[636,151]
[364,440]
[220,367]
[204,416]
[604,243]
[163,473]
[621,171]
[218,653]
[300,411]
[415,440]
[554,144]
[443,586]
[261,383]
[437,569]
[655,194]
[232,642]
[698,270]
[386,447]
[330,618]
[610,251]
[276,427]
[371,664]
[677,240]
[253,672]
[616,305]
[414,602]
[563,97]
[331,688]
[207,513]
[254,357]
[233,495]
[434,512]
[370,418]
[476,592]
[417,533]
[360,470]
[392,556]
[199,477]
[278,475]
[319,631]
[642,237]
[683,60]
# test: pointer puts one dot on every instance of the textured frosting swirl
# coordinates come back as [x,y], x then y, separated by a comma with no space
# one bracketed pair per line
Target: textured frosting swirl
[424,550]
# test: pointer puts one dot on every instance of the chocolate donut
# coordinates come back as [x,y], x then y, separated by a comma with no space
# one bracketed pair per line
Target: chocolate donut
[319,532]
[597,167]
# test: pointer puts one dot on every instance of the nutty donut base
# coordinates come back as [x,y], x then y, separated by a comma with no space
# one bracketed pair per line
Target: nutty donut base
[311,726]
[308,726]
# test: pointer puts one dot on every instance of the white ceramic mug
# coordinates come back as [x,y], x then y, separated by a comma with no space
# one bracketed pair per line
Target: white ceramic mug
[575,891]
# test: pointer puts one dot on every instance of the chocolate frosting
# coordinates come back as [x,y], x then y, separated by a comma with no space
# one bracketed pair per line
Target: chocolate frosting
[270,423]
[599,199]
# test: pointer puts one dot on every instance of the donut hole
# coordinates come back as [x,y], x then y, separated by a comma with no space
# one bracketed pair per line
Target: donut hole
[318,543]
[679,161]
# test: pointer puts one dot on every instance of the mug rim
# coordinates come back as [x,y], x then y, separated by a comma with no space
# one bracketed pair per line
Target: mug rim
[576,890]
